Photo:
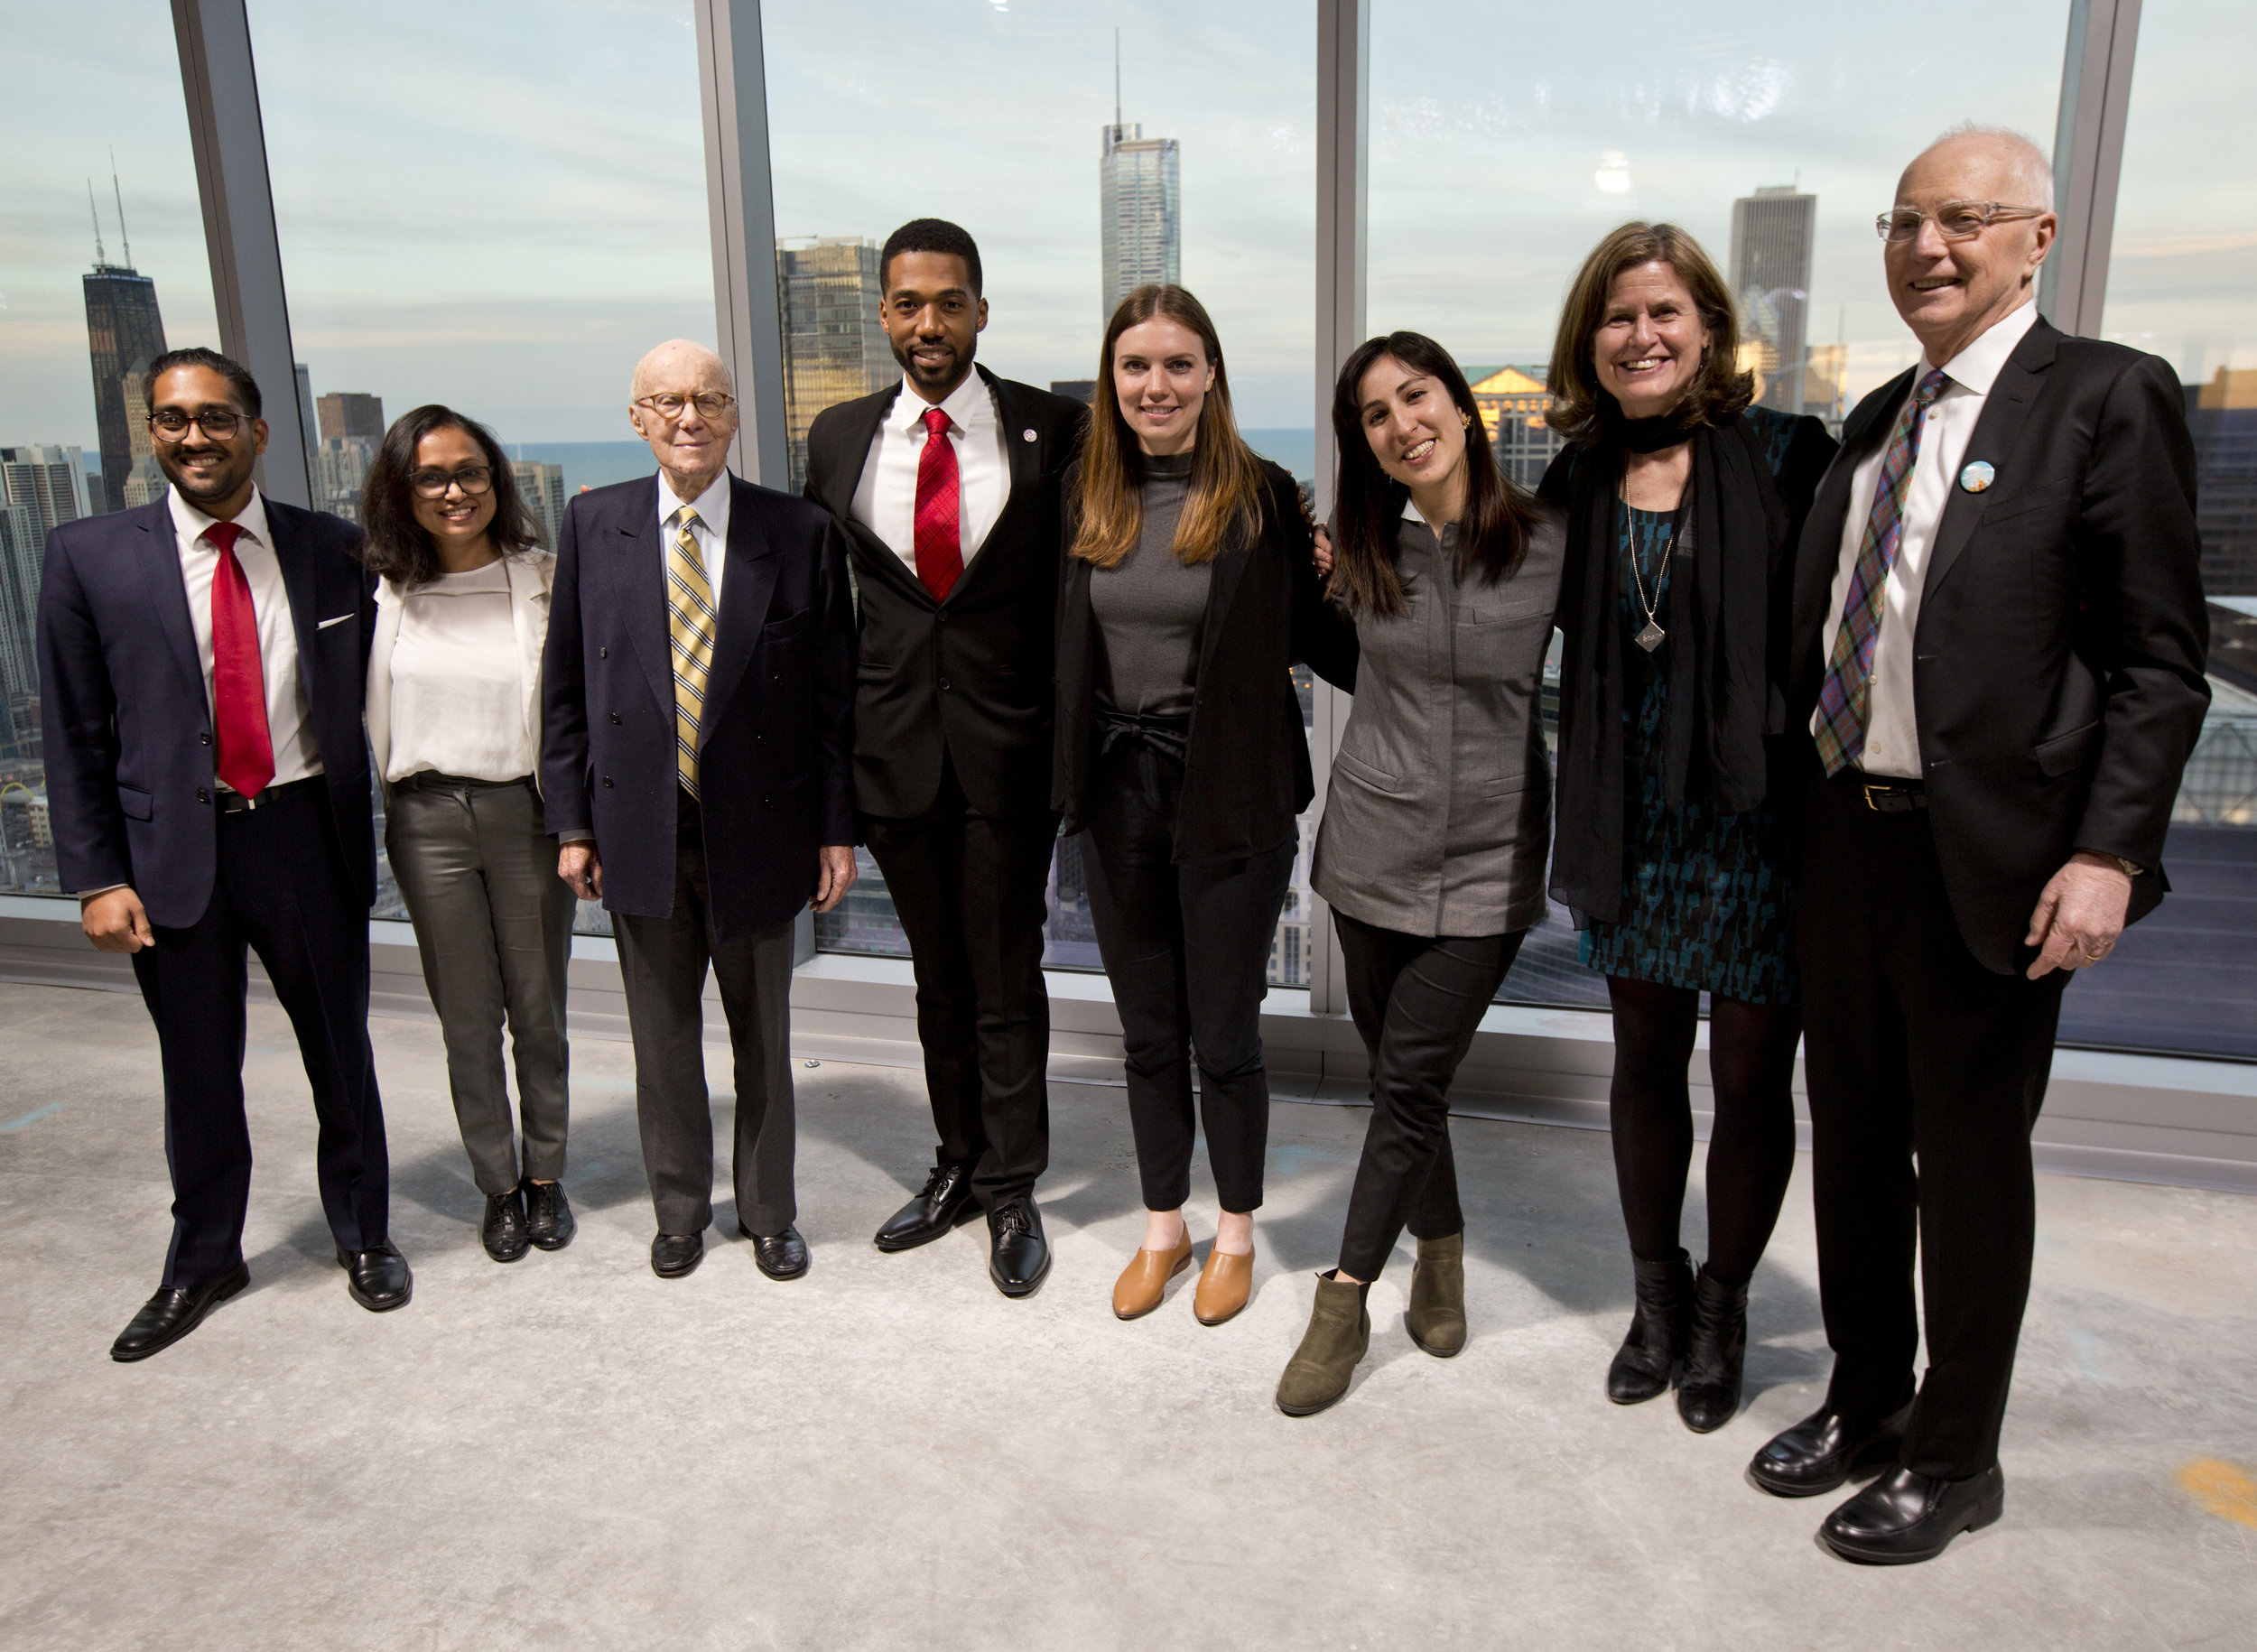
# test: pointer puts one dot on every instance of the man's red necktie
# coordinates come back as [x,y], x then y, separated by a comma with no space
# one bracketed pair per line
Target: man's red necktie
[938,540]
[246,756]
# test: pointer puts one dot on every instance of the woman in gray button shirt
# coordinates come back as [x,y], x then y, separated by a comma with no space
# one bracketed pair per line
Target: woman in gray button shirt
[1432,846]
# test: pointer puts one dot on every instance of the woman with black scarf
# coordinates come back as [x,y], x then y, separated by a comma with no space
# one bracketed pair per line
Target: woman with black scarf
[1684,502]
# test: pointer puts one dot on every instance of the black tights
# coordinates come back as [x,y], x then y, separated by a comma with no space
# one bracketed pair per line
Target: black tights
[1751,1146]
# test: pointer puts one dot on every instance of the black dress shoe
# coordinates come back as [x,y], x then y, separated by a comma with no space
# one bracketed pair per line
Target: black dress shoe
[1715,1352]
[781,1256]
[673,1255]
[377,1277]
[172,1313]
[1825,1449]
[941,1206]
[1903,1517]
[1643,1365]
[503,1229]
[1018,1254]
[549,1221]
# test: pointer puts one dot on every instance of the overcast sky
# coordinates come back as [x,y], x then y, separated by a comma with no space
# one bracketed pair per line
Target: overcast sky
[500,205]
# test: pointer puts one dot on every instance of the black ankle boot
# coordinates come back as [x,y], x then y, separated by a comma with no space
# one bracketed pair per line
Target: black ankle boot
[1655,1342]
[1715,1349]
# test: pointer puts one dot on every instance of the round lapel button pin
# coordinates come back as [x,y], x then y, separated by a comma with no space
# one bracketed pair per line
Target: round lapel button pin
[1027,435]
[1978,476]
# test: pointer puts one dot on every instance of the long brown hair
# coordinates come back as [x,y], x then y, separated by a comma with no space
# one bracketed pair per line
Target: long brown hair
[1493,534]
[1719,390]
[1226,479]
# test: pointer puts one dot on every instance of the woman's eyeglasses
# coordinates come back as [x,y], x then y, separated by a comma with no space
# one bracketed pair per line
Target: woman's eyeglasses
[434,483]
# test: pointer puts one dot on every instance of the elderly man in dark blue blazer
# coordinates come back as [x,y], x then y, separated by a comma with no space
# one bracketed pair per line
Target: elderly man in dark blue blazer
[201,662]
[697,747]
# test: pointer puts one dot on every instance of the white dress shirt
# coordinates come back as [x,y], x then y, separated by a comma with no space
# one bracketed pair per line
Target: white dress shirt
[457,685]
[710,530]
[1892,732]
[886,499]
[288,727]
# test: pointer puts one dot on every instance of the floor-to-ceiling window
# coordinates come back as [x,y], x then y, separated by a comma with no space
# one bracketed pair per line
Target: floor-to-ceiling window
[102,266]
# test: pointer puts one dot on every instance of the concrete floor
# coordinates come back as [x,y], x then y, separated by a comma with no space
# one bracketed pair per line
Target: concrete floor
[570,1451]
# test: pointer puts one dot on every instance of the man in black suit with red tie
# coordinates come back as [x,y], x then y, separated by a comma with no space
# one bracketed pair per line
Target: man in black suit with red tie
[1998,654]
[201,662]
[947,486]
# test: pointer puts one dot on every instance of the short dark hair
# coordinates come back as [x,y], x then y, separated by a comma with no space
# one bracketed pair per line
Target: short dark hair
[395,545]
[931,235]
[237,376]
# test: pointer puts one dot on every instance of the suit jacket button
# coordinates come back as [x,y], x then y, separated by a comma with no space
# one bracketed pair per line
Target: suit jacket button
[607,780]
[202,796]
[203,740]
[764,803]
[759,739]
[603,653]
[615,717]
[943,685]
[941,618]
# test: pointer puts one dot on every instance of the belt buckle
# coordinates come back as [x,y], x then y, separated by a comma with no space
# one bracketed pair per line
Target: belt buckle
[1872,802]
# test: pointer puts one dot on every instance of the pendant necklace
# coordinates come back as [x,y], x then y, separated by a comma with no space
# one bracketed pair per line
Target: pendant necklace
[1651,638]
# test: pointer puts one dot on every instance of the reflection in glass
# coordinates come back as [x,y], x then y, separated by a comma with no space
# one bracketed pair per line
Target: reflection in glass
[102,267]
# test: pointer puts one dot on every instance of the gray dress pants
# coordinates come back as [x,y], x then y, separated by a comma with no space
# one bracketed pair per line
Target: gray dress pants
[662,969]
[494,923]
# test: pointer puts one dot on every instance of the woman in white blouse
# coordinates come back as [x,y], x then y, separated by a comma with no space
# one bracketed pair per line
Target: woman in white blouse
[454,695]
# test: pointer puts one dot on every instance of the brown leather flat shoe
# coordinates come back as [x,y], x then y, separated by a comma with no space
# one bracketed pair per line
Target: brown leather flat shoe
[1224,1284]
[1143,1282]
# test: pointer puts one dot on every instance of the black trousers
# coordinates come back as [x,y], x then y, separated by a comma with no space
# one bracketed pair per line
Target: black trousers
[280,889]
[1915,1050]
[970,891]
[1186,947]
[663,963]
[1417,1000]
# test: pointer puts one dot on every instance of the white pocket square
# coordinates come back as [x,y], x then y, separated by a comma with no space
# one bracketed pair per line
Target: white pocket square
[340,620]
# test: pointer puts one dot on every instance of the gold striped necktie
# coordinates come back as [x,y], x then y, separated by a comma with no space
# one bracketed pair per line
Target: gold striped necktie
[691,622]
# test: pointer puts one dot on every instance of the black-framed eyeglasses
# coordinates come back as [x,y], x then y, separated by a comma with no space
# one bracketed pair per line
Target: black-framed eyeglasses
[434,483]
[709,403]
[1955,220]
[219,423]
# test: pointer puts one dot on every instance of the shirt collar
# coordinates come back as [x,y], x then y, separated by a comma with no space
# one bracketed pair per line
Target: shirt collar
[711,506]
[1977,367]
[190,523]
[968,406]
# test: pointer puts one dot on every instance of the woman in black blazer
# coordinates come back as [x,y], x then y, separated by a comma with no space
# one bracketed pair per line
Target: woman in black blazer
[1188,593]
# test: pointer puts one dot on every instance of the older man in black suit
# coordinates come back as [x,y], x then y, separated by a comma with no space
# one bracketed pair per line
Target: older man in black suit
[1998,651]
[202,661]
[698,694]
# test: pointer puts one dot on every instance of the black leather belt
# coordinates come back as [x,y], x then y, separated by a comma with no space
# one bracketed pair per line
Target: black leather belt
[1887,796]
[234,803]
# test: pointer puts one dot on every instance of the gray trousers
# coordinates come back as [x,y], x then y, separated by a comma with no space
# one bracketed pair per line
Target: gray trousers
[661,967]
[494,923]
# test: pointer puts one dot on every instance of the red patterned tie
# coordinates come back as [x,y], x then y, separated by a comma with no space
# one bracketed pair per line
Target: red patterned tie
[246,758]
[940,554]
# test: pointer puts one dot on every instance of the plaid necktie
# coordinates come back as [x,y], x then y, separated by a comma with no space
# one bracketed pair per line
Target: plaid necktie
[1845,698]
[690,622]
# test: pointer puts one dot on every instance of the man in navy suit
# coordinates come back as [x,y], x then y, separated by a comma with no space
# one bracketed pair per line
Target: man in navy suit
[697,757]
[201,662]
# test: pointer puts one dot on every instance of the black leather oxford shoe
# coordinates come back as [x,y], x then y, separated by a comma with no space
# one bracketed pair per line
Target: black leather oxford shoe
[673,1255]
[549,1221]
[1825,1449]
[503,1229]
[1902,1517]
[377,1277]
[1018,1254]
[781,1256]
[941,1206]
[172,1313]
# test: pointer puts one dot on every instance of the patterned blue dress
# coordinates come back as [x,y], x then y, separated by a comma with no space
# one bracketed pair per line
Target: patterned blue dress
[1708,897]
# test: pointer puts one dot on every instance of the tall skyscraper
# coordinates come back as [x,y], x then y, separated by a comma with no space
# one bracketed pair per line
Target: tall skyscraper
[1774,234]
[542,487]
[348,412]
[1140,205]
[341,464]
[21,545]
[828,290]
[1514,403]
[123,331]
[307,428]
[50,480]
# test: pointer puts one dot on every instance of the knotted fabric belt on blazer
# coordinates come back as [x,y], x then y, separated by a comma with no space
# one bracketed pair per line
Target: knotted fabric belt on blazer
[1151,737]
